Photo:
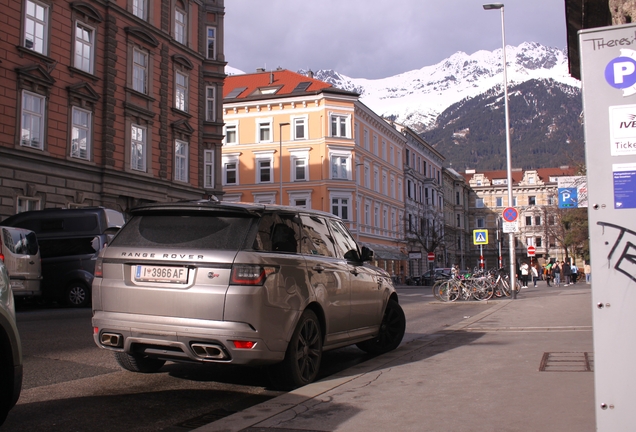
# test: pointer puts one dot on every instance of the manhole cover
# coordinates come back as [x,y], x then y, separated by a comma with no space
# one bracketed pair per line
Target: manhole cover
[567,362]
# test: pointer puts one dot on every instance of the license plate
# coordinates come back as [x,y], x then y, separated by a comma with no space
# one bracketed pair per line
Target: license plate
[145,273]
[17,284]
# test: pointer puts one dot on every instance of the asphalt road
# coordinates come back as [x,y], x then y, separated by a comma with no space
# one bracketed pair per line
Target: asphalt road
[71,385]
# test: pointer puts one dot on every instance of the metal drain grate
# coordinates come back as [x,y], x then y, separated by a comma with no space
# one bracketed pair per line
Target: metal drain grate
[567,362]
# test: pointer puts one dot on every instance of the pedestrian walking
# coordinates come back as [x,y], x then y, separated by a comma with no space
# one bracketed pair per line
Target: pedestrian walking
[548,273]
[566,271]
[556,273]
[588,272]
[525,271]
[535,275]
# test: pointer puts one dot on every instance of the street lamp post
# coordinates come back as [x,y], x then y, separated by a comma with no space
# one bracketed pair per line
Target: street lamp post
[511,238]
[280,158]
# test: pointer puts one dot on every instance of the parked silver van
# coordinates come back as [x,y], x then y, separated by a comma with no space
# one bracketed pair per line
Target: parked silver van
[245,284]
[20,253]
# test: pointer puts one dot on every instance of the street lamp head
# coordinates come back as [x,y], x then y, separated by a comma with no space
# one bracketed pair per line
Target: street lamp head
[491,6]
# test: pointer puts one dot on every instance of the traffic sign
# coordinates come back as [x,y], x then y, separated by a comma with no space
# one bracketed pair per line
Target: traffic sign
[510,214]
[531,251]
[431,256]
[510,227]
[480,236]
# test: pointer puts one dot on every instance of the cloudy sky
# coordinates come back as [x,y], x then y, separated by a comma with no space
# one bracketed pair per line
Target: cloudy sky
[378,38]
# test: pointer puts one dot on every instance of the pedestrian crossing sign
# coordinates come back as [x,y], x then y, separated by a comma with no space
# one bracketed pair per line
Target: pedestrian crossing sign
[480,236]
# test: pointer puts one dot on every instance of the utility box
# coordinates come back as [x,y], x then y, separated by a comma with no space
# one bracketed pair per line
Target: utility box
[608,66]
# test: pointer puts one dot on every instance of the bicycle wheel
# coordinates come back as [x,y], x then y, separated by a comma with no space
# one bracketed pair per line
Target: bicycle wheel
[439,290]
[454,291]
[483,291]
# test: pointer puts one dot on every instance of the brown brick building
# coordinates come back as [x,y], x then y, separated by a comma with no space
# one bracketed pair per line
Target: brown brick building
[109,102]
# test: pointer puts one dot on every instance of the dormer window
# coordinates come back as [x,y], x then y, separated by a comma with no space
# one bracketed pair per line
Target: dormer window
[266,90]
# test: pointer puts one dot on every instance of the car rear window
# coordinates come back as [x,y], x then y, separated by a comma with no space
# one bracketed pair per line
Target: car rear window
[200,230]
[20,242]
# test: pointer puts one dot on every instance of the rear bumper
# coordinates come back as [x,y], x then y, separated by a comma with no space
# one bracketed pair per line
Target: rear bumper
[25,287]
[172,338]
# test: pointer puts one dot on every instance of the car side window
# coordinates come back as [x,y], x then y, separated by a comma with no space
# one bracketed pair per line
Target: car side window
[316,238]
[277,233]
[346,246]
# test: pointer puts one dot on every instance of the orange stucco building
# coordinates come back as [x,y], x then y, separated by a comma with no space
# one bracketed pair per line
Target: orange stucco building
[335,153]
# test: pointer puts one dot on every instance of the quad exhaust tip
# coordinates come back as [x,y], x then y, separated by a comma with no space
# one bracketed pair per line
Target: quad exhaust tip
[209,351]
[111,339]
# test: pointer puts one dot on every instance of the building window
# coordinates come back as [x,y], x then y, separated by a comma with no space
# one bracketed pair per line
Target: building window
[499,201]
[340,207]
[264,168]
[376,180]
[299,167]
[81,134]
[208,169]
[532,200]
[230,169]
[299,128]
[550,200]
[551,220]
[210,103]
[139,9]
[459,219]
[27,204]
[340,166]
[385,186]
[385,219]
[481,223]
[538,242]
[140,71]
[392,156]
[84,47]
[529,241]
[181,161]
[384,150]
[514,201]
[180,26]
[376,217]
[537,220]
[366,139]
[138,148]
[211,54]
[528,220]
[264,131]
[231,134]
[375,145]
[392,187]
[339,126]
[479,203]
[367,177]
[32,120]
[181,92]
[367,214]
[36,27]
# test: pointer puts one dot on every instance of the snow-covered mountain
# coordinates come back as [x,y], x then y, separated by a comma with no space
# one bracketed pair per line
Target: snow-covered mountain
[417,97]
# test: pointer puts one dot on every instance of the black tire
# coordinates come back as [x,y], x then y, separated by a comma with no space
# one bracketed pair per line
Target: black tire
[78,295]
[302,358]
[6,383]
[138,363]
[391,331]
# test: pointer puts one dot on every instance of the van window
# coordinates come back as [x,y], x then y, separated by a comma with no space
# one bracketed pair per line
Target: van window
[196,230]
[316,239]
[20,242]
[62,247]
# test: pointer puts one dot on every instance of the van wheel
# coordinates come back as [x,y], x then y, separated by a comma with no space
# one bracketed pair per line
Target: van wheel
[77,295]
[391,331]
[138,363]
[302,358]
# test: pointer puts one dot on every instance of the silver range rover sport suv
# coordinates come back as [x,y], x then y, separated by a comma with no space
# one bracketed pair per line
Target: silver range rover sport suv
[243,284]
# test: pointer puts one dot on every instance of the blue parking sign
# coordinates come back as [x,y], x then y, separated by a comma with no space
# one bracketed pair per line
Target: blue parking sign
[568,198]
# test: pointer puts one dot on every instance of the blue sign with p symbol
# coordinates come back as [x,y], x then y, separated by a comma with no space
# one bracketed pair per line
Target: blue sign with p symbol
[568,198]
[620,73]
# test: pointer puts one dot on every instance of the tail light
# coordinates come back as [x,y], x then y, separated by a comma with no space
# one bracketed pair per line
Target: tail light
[250,274]
[99,267]
[1,254]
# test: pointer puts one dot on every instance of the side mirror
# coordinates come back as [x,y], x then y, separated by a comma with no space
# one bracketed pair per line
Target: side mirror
[367,254]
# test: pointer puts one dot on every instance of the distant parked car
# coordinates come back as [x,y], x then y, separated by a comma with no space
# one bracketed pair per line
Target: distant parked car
[20,253]
[10,348]
[432,276]
[241,284]
[69,240]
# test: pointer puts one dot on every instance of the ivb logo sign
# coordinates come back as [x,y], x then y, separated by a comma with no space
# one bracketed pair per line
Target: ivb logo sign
[620,72]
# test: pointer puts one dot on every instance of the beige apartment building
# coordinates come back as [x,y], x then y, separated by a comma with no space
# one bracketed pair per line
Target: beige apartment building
[535,196]
[457,232]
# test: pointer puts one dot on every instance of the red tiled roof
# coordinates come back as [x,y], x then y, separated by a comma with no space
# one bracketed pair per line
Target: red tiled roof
[517,175]
[269,79]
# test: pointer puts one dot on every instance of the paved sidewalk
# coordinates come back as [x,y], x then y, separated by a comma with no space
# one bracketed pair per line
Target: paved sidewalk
[482,374]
